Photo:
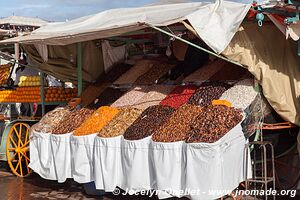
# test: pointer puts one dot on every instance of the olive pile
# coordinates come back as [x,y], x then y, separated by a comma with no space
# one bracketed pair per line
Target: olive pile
[72,121]
[213,123]
[178,125]
[109,96]
[148,122]
[208,92]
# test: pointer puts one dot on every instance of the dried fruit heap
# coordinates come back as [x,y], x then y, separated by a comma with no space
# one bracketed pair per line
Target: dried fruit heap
[178,125]
[148,122]
[72,121]
[97,121]
[213,123]
[120,123]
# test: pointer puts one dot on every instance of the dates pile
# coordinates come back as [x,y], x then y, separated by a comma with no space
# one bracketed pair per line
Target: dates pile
[148,122]
[178,125]
[154,73]
[72,121]
[213,123]
[179,96]
[207,92]
[97,121]
[50,120]
[120,123]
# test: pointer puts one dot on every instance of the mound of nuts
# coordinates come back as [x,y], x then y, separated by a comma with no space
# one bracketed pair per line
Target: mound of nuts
[120,123]
[213,123]
[72,121]
[148,122]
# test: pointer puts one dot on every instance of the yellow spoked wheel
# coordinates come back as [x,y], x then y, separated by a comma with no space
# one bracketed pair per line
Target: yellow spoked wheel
[17,149]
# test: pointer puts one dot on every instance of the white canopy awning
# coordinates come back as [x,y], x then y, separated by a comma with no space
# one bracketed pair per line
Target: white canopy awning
[215,22]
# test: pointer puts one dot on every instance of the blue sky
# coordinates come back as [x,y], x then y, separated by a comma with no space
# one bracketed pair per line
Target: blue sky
[60,10]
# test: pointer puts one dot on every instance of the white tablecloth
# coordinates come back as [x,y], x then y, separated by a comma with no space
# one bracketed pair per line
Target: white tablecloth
[207,169]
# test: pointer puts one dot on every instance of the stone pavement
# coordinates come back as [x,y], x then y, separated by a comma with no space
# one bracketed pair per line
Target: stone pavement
[36,188]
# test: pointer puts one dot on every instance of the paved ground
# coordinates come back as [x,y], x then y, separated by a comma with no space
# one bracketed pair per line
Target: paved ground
[36,188]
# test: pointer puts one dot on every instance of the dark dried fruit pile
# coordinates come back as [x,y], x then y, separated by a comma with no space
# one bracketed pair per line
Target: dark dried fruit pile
[213,123]
[207,92]
[116,71]
[148,122]
[120,123]
[72,121]
[178,125]
[179,96]
[154,73]
[109,96]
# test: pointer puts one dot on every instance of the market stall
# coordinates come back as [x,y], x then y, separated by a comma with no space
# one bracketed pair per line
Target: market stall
[145,131]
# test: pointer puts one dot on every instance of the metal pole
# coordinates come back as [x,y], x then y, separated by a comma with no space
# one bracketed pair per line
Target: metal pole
[42,89]
[194,45]
[79,68]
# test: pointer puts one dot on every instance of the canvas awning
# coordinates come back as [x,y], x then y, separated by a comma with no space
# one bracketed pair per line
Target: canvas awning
[206,17]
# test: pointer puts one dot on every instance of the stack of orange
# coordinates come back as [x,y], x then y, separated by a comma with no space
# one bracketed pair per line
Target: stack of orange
[4,73]
[60,94]
[28,94]
[97,121]
[7,96]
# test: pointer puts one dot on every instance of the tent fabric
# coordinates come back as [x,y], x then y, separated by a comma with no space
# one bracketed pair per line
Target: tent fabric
[23,21]
[274,64]
[218,31]
[210,25]
[61,61]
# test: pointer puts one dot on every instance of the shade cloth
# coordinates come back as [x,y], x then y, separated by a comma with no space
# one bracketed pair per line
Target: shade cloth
[274,64]
[217,33]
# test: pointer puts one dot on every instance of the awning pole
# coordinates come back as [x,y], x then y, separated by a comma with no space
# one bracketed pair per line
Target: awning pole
[194,45]
[79,68]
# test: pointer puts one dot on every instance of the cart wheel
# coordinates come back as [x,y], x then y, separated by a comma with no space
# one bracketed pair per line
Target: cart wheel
[17,149]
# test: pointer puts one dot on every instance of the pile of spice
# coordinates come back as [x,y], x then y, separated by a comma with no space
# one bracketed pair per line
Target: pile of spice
[206,71]
[213,123]
[154,96]
[116,71]
[178,125]
[72,121]
[179,96]
[148,122]
[97,121]
[154,73]
[109,96]
[50,120]
[131,97]
[120,123]
[207,92]
[241,95]
[141,67]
